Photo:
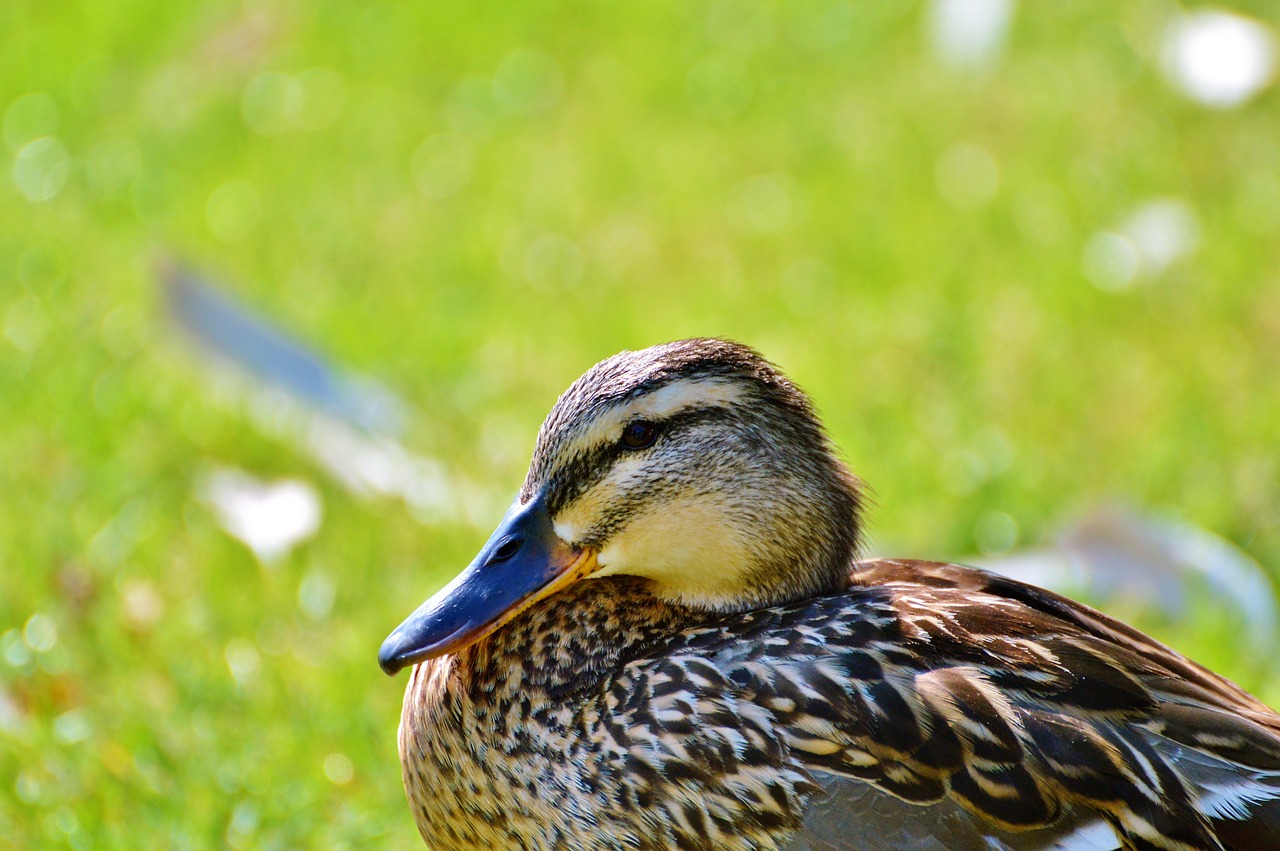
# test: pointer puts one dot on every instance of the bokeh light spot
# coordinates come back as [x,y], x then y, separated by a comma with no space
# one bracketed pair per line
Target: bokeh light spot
[72,727]
[28,788]
[243,660]
[271,518]
[1150,239]
[14,649]
[1162,231]
[969,33]
[41,168]
[1110,261]
[243,825]
[339,769]
[143,605]
[40,633]
[1218,58]
[26,322]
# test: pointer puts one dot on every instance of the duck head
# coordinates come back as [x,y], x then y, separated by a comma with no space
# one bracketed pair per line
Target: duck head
[695,465]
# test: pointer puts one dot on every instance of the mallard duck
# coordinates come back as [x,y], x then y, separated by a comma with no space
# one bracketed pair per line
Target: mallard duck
[669,642]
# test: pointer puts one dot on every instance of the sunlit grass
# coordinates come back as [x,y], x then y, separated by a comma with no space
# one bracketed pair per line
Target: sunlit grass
[474,205]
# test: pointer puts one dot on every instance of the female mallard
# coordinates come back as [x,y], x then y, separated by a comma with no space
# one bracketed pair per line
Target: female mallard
[731,678]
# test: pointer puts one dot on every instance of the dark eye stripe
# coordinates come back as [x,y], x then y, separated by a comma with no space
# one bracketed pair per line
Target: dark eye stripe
[588,468]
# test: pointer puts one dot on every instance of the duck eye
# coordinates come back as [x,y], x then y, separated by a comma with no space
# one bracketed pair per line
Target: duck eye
[639,434]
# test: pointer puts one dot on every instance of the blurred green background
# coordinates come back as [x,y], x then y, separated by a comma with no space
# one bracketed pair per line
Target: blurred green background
[1020,281]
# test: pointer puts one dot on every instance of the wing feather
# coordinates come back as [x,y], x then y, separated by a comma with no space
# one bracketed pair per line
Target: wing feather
[980,704]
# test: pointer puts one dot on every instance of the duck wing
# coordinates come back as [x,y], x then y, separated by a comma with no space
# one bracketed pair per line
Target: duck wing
[854,815]
[937,706]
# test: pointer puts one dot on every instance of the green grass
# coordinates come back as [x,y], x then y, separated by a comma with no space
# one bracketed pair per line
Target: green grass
[614,175]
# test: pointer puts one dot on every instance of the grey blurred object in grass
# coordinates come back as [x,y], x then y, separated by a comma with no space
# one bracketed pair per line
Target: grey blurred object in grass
[1119,553]
[230,332]
[349,423]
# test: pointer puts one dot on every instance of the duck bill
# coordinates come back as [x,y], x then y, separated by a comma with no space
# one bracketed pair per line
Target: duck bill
[523,562]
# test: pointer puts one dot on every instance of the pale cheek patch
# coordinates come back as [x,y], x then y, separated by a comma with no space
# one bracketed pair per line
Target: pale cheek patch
[575,521]
[689,547]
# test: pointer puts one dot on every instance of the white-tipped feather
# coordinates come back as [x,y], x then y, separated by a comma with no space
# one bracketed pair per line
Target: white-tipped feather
[1095,836]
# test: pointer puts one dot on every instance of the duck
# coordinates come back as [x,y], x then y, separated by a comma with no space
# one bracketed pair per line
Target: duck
[672,640]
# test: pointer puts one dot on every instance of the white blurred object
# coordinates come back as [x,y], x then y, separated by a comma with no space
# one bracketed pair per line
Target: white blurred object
[1119,553]
[1162,231]
[1219,58]
[369,464]
[1152,237]
[969,33]
[270,518]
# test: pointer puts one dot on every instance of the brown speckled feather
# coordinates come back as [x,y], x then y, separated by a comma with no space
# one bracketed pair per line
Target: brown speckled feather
[1015,709]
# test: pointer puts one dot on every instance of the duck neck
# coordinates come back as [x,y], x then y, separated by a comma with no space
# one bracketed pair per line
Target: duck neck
[565,647]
